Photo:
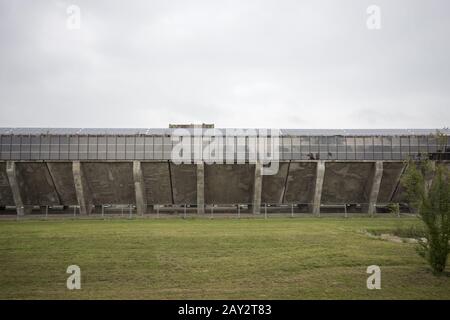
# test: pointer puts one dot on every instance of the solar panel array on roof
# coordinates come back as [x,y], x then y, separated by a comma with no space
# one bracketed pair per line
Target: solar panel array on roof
[360,132]
[85,131]
[167,131]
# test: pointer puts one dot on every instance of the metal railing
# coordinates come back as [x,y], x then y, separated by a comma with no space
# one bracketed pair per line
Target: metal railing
[211,211]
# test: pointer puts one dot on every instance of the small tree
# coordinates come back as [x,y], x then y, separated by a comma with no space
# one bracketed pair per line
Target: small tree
[432,204]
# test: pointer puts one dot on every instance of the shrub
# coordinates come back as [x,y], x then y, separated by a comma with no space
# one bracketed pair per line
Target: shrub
[432,204]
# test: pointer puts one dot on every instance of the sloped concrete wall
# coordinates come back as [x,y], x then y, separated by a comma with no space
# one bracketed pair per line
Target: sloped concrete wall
[62,176]
[229,183]
[36,184]
[158,185]
[6,197]
[347,182]
[390,180]
[273,186]
[184,183]
[400,192]
[301,182]
[110,182]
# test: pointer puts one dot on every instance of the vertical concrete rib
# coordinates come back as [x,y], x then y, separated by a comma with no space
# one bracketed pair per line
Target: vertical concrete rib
[283,193]
[84,195]
[201,187]
[320,174]
[15,189]
[257,189]
[139,188]
[172,199]
[375,188]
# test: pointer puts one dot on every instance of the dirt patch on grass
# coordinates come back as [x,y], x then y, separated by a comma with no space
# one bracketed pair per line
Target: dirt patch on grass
[392,237]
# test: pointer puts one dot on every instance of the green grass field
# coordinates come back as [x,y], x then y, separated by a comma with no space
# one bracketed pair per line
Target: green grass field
[310,258]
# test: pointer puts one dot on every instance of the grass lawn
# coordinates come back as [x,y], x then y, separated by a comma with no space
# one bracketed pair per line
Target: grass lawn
[306,258]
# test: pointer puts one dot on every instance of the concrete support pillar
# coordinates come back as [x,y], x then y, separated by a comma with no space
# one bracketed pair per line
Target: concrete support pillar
[257,188]
[320,174]
[139,188]
[375,188]
[84,195]
[13,179]
[201,187]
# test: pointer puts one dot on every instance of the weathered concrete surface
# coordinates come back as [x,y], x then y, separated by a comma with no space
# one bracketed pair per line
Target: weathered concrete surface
[6,196]
[375,188]
[184,183]
[110,182]
[82,189]
[301,182]
[273,186]
[257,186]
[347,182]
[229,183]
[157,182]
[391,175]
[318,186]
[62,176]
[200,171]
[36,184]
[139,188]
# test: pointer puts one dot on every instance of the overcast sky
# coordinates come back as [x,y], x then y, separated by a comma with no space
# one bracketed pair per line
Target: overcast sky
[278,63]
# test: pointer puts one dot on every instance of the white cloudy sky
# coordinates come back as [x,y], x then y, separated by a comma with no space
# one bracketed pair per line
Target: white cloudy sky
[238,63]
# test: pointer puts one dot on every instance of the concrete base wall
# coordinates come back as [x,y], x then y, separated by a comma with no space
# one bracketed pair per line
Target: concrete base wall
[36,184]
[399,192]
[300,184]
[62,176]
[50,183]
[184,183]
[6,196]
[110,182]
[391,175]
[158,184]
[347,182]
[273,187]
[229,183]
